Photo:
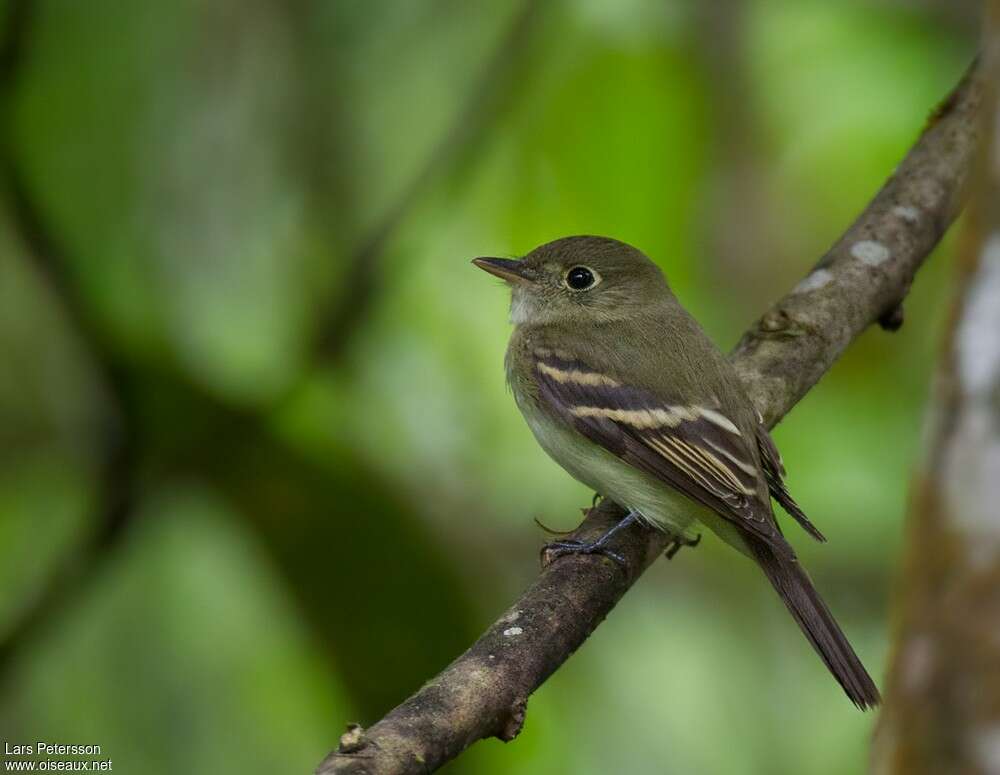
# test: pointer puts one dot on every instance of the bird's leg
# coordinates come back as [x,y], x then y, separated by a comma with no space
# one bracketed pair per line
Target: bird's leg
[678,542]
[598,546]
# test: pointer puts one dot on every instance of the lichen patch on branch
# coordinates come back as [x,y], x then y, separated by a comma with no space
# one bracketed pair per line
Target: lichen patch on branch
[907,213]
[870,252]
[814,281]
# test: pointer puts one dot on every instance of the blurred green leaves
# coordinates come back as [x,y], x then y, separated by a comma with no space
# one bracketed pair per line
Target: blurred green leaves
[186,657]
[43,509]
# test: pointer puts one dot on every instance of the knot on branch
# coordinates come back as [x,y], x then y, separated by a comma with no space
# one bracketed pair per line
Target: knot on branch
[353,740]
[515,720]
[778,323]
[892,320]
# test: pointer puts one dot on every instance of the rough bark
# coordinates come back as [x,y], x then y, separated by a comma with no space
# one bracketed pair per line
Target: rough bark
[942,712]
[862,279]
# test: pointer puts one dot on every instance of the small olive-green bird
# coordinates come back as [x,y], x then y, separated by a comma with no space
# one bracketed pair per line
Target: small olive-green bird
[623,388]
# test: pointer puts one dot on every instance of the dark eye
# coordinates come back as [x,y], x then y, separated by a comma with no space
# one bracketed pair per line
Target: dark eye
[579,278]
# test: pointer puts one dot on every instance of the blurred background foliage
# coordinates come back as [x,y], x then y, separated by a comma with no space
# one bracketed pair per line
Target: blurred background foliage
[260,472]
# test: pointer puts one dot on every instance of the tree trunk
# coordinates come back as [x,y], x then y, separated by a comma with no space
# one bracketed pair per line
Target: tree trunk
[942,712]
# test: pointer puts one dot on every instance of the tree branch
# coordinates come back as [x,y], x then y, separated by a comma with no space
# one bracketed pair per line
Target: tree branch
[867,273]
[863,278]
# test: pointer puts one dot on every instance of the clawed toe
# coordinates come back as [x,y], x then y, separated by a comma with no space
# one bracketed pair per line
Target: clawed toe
[678,543]
[560,548]
[556,549]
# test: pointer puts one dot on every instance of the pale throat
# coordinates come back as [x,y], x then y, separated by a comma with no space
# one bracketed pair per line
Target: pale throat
[524,307]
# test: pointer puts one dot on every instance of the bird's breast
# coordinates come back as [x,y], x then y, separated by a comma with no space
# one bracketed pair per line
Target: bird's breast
[658,504]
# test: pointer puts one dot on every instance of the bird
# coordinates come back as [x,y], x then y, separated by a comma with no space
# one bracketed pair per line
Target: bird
[622,387]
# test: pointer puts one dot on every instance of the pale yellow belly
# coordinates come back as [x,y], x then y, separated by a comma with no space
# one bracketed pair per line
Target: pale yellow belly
[657,503]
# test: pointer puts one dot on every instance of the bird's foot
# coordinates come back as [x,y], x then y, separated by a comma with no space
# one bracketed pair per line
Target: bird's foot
[556,549]
[679,542]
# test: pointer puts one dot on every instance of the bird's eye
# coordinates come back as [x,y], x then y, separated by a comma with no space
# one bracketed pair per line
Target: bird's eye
[580,278]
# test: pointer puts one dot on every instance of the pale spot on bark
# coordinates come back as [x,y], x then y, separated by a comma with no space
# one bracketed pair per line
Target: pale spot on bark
[512,632]
[907,213]
[870,252]
[978,336]
[973,460]
[972,468]
[981,555]
[986,747]
[814,281]
[918,663]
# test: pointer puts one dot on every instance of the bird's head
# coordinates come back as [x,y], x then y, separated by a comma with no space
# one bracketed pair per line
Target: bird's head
[579,279]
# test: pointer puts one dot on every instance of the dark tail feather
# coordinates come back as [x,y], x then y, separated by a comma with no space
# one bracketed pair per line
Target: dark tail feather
[793,585]
[788,504]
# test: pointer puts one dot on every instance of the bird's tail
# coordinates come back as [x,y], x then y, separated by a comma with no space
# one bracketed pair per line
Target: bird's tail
[793,585]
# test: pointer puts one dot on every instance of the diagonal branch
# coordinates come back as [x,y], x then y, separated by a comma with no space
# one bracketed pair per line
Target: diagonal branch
[862,279]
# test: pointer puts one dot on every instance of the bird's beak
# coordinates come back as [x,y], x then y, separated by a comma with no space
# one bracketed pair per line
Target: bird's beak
[505,269]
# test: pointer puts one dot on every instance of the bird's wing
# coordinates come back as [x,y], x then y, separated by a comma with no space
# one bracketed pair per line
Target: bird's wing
[694,449]
[774,473]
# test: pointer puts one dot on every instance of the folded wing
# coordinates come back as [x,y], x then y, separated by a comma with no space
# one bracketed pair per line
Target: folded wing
[693,448]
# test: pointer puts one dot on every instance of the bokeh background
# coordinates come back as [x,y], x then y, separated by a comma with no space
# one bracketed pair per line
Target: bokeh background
[260,473]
